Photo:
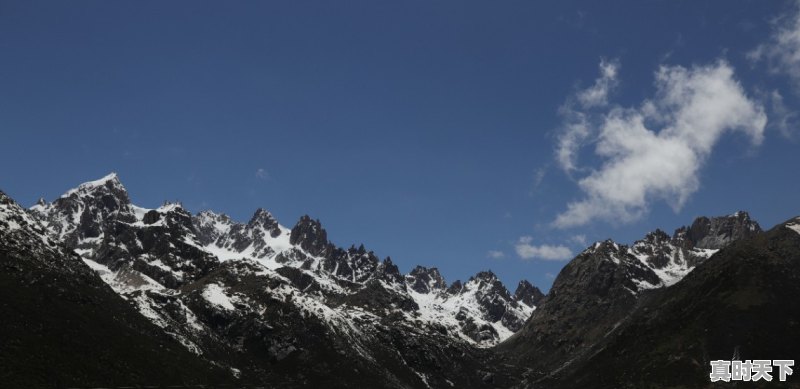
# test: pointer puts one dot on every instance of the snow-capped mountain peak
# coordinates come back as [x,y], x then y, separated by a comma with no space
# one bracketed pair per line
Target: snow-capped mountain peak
[528,294]
[311,237]
[110,182]
[91,204]
[148,255]
[26,237]
[211,226]
[262,218]
[425,280]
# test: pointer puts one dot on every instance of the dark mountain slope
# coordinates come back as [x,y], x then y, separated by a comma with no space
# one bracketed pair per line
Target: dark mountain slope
[744,300]
[61,325]
[589,297]
[597,291]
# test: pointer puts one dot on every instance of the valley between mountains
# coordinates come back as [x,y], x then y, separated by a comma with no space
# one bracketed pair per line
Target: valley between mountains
[97,291]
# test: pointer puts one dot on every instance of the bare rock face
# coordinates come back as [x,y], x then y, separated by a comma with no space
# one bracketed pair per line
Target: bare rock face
[425,280]
[311,237]
[493,295]
[265,220]
[717,232]
[528,294]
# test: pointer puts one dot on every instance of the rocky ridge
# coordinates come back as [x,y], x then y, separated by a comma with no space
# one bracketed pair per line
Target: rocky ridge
[597,291]
[238,294]
[285,306]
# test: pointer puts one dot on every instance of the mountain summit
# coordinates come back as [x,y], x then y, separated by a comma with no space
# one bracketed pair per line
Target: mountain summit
[259,303]
[604,284]
[277,296]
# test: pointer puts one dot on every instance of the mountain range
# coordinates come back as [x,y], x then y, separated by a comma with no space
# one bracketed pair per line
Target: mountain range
[100,292]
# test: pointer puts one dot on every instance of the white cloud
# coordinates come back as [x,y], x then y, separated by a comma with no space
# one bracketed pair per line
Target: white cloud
[495,254]
[526,250]
[782,51]
[597,94]
[579,240]
[572,138]
[655,152]
[577,127]
[262,174]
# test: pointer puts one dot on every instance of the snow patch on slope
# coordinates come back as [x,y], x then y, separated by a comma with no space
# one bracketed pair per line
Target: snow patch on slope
[214,294]
[442,308]
[125,280]
[794,226]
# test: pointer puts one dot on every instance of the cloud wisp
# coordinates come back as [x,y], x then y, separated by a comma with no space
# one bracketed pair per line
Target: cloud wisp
[653,152]
[597,94]
[781,52]
[527,250]
[781,117]
[495,254]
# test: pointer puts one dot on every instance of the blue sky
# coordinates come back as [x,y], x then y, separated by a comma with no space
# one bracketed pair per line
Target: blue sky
[464,135]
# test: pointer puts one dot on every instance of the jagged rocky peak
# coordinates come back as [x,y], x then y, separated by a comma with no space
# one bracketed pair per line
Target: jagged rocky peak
[425,280]
[657,237]
[605,268]
[602,285]
[490,287]
[456,287]
[592,293]
[311,237]
[107,193]
[608,247]
[481,309]
[110,181]
[210,217]
[108,189]
[389,271]
[14,218]
[528,294]
[653,241]
[190,273]
[211,226]
[174,213]
[262,218]
[86,211]
[484,275]
[657,249]
[487,282]
[23,236]
[495,301]
[717,232]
